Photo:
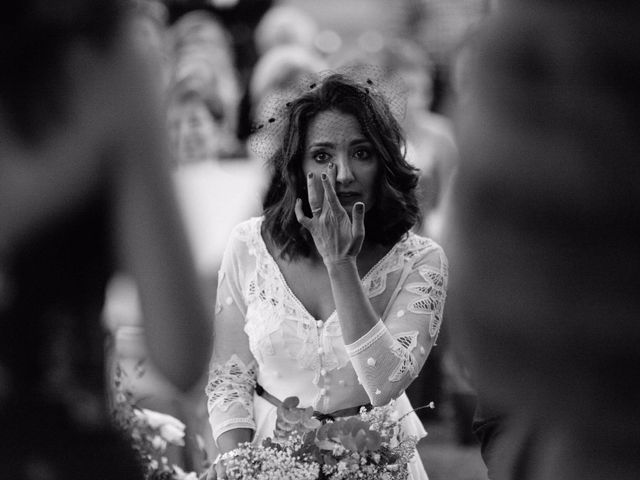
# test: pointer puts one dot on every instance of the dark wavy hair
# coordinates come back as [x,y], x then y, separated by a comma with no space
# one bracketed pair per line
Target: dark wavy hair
[396,208]
[34,38]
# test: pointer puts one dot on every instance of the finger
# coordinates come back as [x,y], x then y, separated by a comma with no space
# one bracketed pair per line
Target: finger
[330,197]
[314,192]
[300,216]
[357,224]
[332,172]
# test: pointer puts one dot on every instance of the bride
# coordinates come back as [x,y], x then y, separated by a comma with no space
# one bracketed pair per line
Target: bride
[328,296]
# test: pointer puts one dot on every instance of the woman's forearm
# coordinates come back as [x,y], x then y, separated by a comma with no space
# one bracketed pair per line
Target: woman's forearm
[230,439]
[355,312]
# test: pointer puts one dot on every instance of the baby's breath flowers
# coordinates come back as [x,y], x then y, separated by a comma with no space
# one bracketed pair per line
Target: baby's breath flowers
[368,446]
[269,461]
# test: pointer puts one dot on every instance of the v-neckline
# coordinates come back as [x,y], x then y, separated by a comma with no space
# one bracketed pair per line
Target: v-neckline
[292,295]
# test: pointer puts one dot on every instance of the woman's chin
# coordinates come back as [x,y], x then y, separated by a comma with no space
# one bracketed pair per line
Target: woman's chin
[348,203]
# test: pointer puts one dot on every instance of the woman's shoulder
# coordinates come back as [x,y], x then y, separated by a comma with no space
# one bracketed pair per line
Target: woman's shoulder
[246,235]
[419,249]
[247,228]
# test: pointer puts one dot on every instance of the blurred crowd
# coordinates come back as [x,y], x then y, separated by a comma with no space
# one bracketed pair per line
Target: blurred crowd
[215,83]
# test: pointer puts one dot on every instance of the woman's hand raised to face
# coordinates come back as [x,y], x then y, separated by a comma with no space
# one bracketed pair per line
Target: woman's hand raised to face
[336,237]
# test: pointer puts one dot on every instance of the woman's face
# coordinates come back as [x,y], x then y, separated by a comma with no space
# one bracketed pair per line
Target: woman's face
[337,138]
[193,131]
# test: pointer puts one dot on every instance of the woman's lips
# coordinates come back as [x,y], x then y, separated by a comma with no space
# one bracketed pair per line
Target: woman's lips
[347,195]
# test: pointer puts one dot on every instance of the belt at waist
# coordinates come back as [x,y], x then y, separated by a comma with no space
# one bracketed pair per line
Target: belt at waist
[323,417]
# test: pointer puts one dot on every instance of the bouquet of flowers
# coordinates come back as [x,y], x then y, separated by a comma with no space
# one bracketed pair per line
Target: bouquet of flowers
[151,433]
[368,446]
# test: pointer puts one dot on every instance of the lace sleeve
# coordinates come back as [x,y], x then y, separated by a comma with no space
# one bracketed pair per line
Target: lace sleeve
[230,396]
[389,357]
[232,376]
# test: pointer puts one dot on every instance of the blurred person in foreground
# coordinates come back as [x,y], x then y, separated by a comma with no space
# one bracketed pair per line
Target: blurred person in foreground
[328,296]
[544,256]
[213,196]
[84,191]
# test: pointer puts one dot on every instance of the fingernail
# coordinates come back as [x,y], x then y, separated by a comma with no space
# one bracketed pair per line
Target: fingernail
[310,175]
[324,176]
[360,207]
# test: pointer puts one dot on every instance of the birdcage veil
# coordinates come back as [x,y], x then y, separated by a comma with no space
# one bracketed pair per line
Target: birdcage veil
[272,115]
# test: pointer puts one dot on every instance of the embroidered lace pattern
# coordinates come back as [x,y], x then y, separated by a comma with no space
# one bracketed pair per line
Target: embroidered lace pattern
[403,347]
[232,423]
[431,296]
[231,383]
[368,339]
[270,302]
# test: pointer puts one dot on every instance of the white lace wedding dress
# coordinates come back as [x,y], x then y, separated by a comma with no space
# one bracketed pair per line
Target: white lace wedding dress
[264,334]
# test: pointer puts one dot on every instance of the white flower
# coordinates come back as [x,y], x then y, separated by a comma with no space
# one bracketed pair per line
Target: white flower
[158,443]
[182,475]
[171,429]
[200,441]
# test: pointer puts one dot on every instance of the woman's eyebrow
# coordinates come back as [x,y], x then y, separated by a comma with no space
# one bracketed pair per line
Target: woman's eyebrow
[322,144]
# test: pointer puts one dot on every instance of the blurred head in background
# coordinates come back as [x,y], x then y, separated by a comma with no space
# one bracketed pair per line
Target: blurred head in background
[403,57]
[73,94]
[196,125]
[280,68]
[285,25]
[204,92]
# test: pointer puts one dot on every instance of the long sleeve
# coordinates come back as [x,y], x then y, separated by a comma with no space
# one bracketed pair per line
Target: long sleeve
[390,355]
[232,376]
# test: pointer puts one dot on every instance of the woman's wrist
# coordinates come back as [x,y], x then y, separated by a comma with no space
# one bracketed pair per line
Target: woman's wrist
[339,263]
[230,439]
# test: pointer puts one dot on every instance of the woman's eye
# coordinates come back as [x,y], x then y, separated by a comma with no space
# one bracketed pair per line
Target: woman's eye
[321,157]
[362,154]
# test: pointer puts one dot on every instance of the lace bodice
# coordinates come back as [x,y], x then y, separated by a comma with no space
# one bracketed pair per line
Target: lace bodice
[265,334]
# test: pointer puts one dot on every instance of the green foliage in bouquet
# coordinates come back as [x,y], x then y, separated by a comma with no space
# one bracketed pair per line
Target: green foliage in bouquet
[368,446]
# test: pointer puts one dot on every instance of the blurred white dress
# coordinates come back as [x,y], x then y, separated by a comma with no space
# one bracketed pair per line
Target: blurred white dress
[264,334]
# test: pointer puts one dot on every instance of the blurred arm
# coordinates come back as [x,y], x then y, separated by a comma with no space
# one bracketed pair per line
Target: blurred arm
[152,245]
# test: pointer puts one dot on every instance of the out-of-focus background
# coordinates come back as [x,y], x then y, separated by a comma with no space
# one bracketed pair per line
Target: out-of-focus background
[216,62]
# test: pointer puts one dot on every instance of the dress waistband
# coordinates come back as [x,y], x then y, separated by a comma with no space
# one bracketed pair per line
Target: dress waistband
[323,417]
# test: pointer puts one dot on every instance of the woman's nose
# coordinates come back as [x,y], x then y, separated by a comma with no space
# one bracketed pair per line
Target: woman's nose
[344,174]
